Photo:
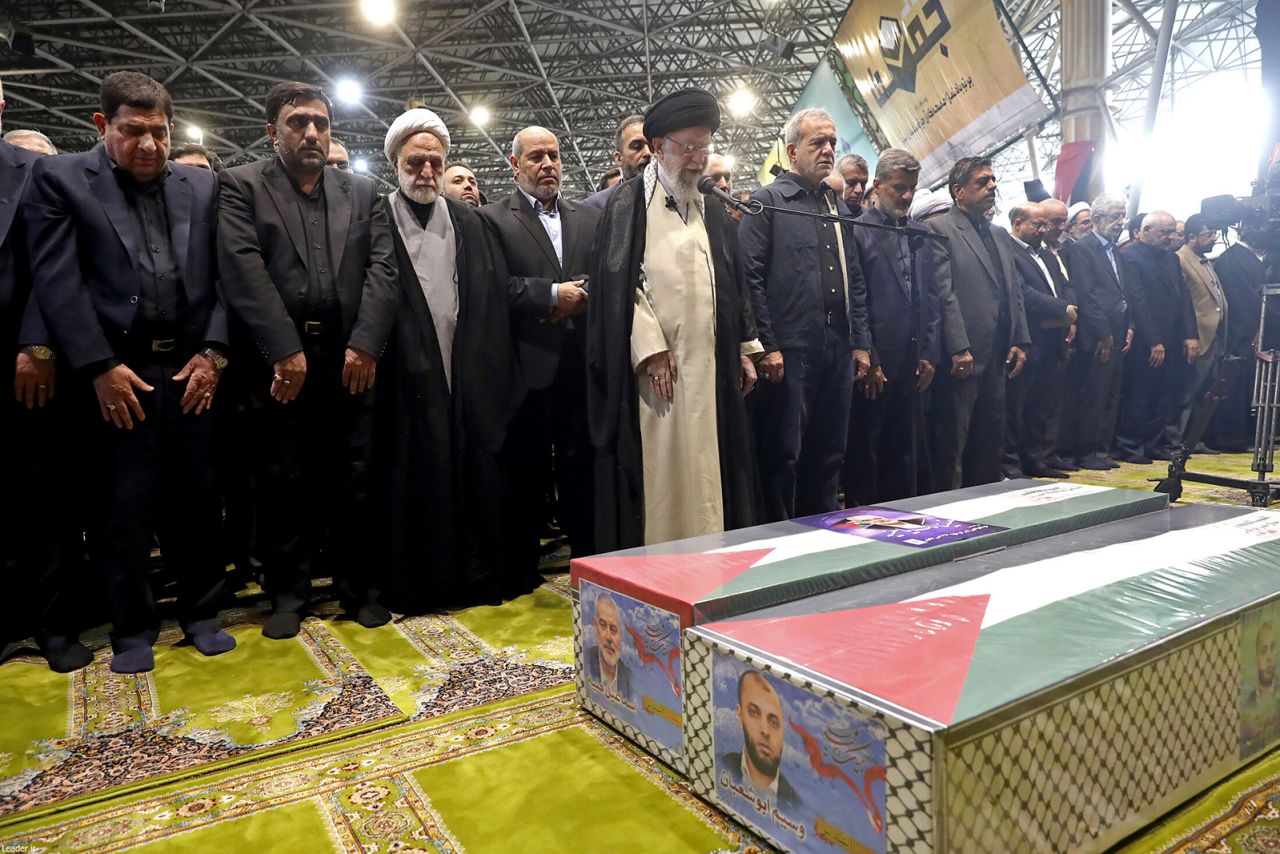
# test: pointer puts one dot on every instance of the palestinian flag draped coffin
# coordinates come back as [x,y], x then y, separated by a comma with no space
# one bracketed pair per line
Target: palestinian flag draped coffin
[1054,696]
[632,606]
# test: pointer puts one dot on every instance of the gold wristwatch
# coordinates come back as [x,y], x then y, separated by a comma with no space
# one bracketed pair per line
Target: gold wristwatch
[38,352]
[219,360]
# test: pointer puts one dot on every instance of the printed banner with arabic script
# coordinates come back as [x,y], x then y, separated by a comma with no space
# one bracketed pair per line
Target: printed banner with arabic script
[939,77]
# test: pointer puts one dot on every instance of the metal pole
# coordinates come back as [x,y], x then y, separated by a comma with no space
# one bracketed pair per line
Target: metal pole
[1163,40]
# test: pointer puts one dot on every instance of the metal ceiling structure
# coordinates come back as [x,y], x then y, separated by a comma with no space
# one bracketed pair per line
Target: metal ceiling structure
[575,66]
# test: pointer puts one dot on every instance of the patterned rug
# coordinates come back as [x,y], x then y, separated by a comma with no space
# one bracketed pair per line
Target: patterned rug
[82,737]
[479,781]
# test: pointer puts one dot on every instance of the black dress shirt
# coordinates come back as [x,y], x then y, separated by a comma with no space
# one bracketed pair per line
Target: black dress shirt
[161,296]
[321,300]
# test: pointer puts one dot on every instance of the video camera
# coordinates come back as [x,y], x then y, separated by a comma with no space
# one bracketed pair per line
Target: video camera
[1257,215]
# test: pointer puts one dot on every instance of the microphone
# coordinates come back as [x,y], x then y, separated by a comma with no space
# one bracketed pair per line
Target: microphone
[707,186]
[671,204]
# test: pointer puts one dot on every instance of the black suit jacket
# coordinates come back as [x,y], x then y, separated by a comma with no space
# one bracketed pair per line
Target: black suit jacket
[15,273]
[1242,273]
[1161,305]
[1104,308]
[889,304]
[84,255]
[261,248]
[532,267]
[1038,298]
[964,282]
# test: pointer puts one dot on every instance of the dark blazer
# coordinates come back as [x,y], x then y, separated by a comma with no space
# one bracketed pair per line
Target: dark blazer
[600,198]
[84,255]
[1161,306]
[1038,298]
[591,668]
[889,303]
[15,273]
[731,764]
[263,257]
[1241,273]
[532,267]
[1104,308]
[780,260]
[964,281]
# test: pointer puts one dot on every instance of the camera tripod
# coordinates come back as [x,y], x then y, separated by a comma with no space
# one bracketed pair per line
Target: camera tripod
[1266,408]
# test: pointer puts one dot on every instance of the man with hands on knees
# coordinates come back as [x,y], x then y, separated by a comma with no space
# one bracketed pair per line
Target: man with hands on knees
[123,268]
[309,270]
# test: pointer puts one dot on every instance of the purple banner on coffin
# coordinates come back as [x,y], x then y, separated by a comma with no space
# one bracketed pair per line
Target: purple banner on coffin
[905,528]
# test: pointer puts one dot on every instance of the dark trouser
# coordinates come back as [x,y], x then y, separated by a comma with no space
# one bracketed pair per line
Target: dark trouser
[1197,379]
[313,483]
[1015,402]
[967,424]
[157,477]
[801,429]
[1099,401]
[43,544]
[1042,380]
[877,463]
[548,443]
[233,455]
[1233,421]
[1149,403]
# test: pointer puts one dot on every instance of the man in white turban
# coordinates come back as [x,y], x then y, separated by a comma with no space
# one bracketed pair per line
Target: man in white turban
[448,386]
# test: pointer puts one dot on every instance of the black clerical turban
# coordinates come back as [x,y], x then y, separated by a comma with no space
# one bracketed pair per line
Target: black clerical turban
[686,108]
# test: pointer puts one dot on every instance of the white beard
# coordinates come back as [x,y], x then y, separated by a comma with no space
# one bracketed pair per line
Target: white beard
[542,194]
[684,188]
[421,195]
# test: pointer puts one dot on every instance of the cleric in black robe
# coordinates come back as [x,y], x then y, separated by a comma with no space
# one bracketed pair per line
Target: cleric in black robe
[662,201]
[446,388]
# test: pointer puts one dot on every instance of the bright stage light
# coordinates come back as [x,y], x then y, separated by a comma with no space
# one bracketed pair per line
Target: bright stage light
[730,161]
[480,116]
[378,12]
[360,165]
[742,102]
[349,91]
[195,134]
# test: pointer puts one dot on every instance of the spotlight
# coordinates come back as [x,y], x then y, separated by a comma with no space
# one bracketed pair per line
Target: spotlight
[360,165]
[378,12]
[195,134]
[730,161]
[742,102]
[480,116]
[155,7]
[349,91]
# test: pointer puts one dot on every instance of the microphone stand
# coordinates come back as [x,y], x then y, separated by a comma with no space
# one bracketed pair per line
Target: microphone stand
[916,236]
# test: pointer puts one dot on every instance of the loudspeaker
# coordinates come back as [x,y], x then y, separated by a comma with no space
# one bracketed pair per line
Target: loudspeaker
[778,46]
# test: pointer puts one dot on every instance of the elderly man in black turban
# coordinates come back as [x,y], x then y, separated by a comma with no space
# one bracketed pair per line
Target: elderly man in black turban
[669,347]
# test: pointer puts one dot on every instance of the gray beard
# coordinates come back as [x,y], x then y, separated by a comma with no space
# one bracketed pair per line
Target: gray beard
[425,196]
[685,190]
[542,194]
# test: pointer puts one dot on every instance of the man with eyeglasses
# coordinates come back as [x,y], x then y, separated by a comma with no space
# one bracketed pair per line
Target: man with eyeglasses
[1104,333]
[669,347]
[309,271]
[1209,311]
[1164,334]
[809,299]
[446,387]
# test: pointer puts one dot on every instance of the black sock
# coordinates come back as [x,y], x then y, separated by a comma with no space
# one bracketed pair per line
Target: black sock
[133,654]
[282,625]
[65,654]
[371,615]
[206,637]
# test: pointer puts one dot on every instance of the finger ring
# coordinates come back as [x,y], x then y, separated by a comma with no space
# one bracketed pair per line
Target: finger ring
[111,407]
[277,377]
[42,385]
[287,382]
[208,394]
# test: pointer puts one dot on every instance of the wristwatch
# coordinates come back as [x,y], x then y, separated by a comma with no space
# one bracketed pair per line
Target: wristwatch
[38,351]
[219,360]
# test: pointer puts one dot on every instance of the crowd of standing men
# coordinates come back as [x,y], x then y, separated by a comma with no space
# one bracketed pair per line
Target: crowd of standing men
[272,365]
